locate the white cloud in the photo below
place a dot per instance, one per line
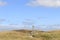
(47, 3)
(3, 3)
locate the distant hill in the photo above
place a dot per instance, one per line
(25, 35)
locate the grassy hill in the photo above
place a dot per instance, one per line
(25, 35)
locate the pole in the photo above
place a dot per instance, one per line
(32, 31)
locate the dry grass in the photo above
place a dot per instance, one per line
(24, 35)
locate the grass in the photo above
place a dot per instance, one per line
(24, 35)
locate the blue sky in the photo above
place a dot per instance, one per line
(16, 11)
